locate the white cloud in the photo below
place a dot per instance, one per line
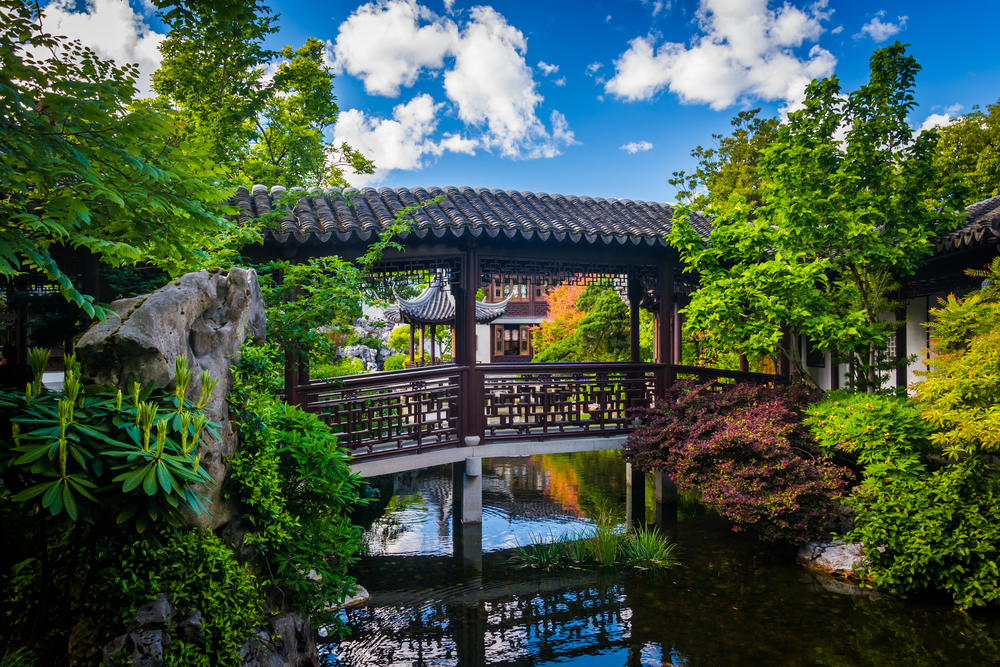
(561, 81)
(940, 119)
(448, 4)
(400, 142)
(113, 30)
(384, 44)
(746, 51)
(389, 43)
(608, 18)
(880, 31)
(547, 68)
(593, 67)
(634, 147)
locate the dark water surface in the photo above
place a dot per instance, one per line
(732, 601)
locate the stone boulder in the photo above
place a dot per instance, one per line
(836, 557)
(367, 355)
(286, 640)
(204, 316)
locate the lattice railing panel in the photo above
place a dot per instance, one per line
(543, 401)
(382, 414)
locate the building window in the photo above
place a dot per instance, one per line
(511, 340)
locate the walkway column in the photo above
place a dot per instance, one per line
(635, 496)
(433, 336)
(471, 401)
(422, 355)
(412, 362)
(665, 504)
(467, 511)
(664, 341)
(634, 296)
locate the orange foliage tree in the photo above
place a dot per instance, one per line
(564, 317)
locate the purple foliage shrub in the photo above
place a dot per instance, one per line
(744, 449)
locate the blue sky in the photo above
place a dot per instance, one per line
(587, 98)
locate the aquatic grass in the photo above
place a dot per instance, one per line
(646, 547)
(541, 555)
(606, 543)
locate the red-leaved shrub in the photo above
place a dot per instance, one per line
(744, 449)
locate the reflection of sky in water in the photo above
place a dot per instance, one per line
(734, 601)
(524, 501)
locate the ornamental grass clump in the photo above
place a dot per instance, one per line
(744, 450)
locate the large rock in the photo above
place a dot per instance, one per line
(836, 557)
(204, 316)
(286, 640)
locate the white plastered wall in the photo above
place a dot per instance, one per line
(483, 343)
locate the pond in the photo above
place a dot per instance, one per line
(733, 600)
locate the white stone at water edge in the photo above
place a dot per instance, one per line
(835, 557)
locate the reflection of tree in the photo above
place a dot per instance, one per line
(586, 481)
(391, 526)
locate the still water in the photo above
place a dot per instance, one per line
(732, 601)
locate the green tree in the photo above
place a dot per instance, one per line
(290, 148)
(970, 145)
(213, 71)
(86, 165)
(846, 214)
(731, 168)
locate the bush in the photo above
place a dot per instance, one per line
(338, 368)
(744, 449)
(79, 452)
(199, 572)
(295, 489)
(937, 531)
(923, 525)
(396, 362)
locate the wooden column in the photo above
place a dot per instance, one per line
(433, 336)
(634, 295)
(784, 355)
(472, 401)
(664, 347)
(678, 333)
(412, 362)
(422, 355)
(901, 369)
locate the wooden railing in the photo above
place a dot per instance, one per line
(546, 401)
(725, 376)
(416, 410)
(392, 412)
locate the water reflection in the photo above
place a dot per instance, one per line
(733, 601)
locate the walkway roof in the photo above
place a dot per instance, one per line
(337, 216)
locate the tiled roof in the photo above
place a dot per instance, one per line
(982, 226)
(436, 305)
(333, 215)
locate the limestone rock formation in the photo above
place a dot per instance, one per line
(836, 557)
(204, 316)
(286, 640)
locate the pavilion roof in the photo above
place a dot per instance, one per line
(982, 226)
(436, 305)
(333, 215)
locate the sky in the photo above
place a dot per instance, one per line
(588, 98)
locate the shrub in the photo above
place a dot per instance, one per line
(199, 572)
(885, 433)
(940, 530)
(340, 368)
(78, 452)
(745, 450)
(925, 525)
(295, 489)
(396, 362)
